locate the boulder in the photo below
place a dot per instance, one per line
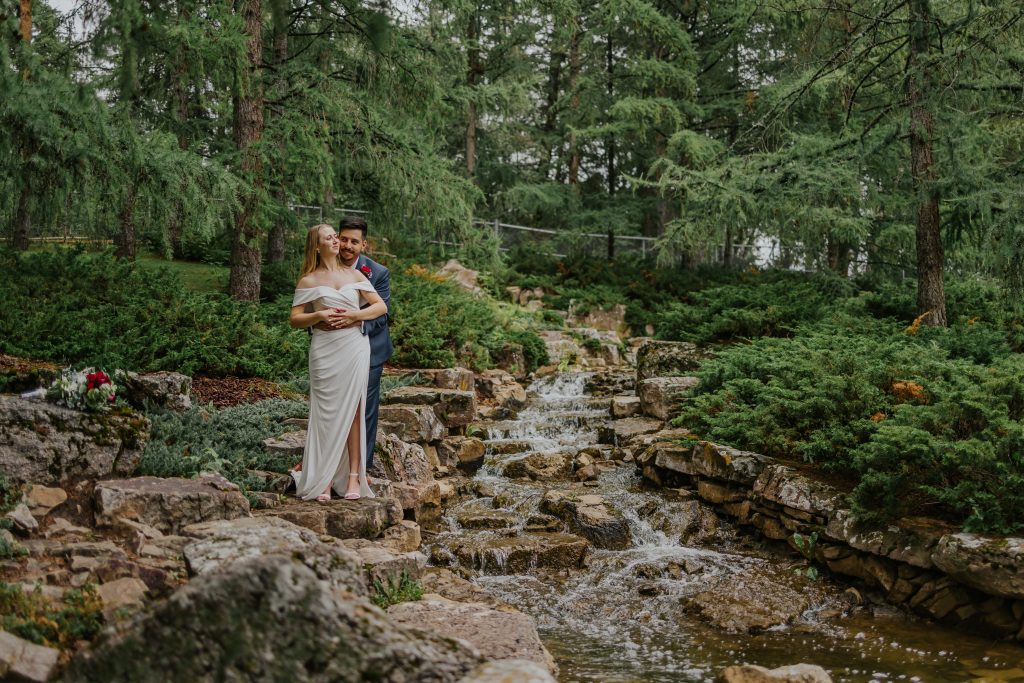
(268, 619)
(42, 499)
(910, 540)
(487, 519)
(415, 424)
(215, 546)
(705, 459)
(46, 444)
(511, 358)
(667, 359)
(690, 521)
(363, 518)
(539, 466)
(403, 537)
(289, 443)
(382, 565)
(453, 407)
(623, 432)
(752, 600)
(625, 406)
(521, 553)
(411, 478)
(170, 390)
(123, 593)
(462, 276)
(510, 671)
(661, 397)
(168, 504)
(786, 487)
(496, 635)
(501, 388)
(588, 516)
(21, 519)
(992, 565)
(21, 660)
(796, 673)
(464, 452)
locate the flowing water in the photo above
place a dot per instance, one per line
(622, 617)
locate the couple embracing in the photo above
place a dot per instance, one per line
(343, 298)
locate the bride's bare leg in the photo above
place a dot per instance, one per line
(354, 455)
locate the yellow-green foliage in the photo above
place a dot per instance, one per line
(29, 615)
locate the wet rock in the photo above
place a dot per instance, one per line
(363, 518)
(289, 443)
(622, 432)
(21, 660)
(382, 565)
(667, 359)
(542, 522)
(487, 519)
(464, 452)
(508, 446)
(661, 397)
(911, 540)
(589, 472)
(874, 571)
(519, 554)
(689, 521)
(496, 635)
(46, 444)
(510, 671)
(539, 466)
(611, 382)
(625, 406)
(168, 504)
(992, 565)
(170, 390)
(588, 516)
(705, 459)
(748, 601)
(796, 673)
(414, 424)
(787, 487)
(43, 499)
(235, 625)
(214, 546)
(501, 388)
(453, 407)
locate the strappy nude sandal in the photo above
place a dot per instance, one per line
(355, 495)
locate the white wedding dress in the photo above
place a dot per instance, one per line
(339, 368)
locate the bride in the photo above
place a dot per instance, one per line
(339, 361)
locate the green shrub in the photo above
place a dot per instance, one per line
(912, 429)
(79, 308)
(229, 441)
(392, 592)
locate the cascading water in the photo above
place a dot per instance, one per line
(624, 616)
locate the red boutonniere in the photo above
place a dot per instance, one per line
(365, 270)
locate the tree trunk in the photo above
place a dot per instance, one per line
(244, 281)
(550, 109)
(838, 253)
(610, 142)
(25, 29)
(276, 238)
(126, 238)
(22, 217)
(472, 78)
(574, 105)
(180, 107)
(22, 221)
(931, 294)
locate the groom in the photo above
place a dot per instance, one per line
(352, 242)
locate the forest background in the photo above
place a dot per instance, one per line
(873, 147)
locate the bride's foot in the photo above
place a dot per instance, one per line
(324, 497)
(352, 493)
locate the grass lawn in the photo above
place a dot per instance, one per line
(198, 277)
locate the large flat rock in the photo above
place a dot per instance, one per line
(21, 660)
(168, 504)
(453, 407)
(661, 397)
(412, 423)
(47, 444)
(787, 487)
(706, 459)
(496, 635)
(623, 432)
(589, 516)
(521, 553)
(992, 565)
(539, 466)
(667, 359)
(215, 546)
(911, 540)
(269, 619)
(363, 518)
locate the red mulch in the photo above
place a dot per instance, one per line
(231, 391)
(23, 365)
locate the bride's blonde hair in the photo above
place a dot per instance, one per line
(311, 257)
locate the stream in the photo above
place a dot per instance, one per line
(625, 617)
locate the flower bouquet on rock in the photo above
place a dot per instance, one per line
(87, 389)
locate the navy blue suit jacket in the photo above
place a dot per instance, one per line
(381, 347)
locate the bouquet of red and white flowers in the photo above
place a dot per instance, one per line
(87, 389)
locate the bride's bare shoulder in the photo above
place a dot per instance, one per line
(307, 281)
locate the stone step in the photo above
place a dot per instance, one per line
(364, 518)
(520, 553)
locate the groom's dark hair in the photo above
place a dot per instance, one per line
(353, 223)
